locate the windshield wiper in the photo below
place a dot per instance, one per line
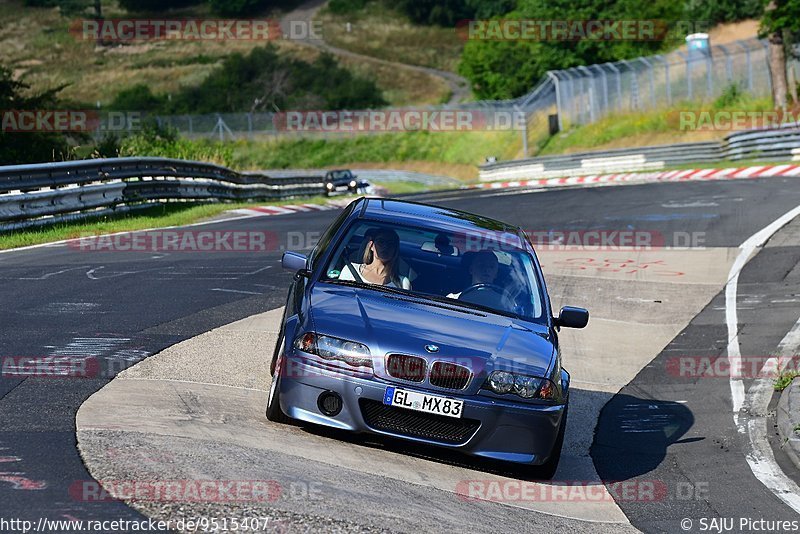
(364, 285)
(451, 305)
(413, 297)
(423, 298)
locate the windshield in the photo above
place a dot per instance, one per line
(340, 175)
(482, 269)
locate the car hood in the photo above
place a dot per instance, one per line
(391, 323)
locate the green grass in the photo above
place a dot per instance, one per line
(385, 33)
(402, 187)
(164, 215)
(784, 379)
(442, 147)
(37, 45)
(725, 164)
(647, 128)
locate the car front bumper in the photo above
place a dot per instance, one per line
(495, 428)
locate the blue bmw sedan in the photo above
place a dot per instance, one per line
(426, 324)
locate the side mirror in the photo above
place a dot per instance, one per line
(571, 317)
(292, 261)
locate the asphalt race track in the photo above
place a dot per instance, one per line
(634, 417)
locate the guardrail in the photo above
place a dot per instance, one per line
(780, 144)
(32, 195)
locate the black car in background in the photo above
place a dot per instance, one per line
(340, 180)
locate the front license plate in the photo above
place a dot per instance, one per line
(421, 402)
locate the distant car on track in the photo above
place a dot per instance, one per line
(343, 181)
(427, 324)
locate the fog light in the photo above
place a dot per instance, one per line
(330, 403)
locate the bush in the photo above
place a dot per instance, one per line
(28, 147)
(731, 96)
(107, 147)
(139, 6)
(342, 7)
(449, 12)
(138, 98)
(265, 81)
(158, 141)
(717, 11)
(235, 8)
(502, 69)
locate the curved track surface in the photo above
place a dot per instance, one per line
(119, 307)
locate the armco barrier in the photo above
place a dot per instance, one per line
(32, 195)
(781, 144)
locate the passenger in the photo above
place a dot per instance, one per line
(380, 262)
(483, 267)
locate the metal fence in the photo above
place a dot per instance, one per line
(779, 144)
(34, 195)
(564, 98)
(587, 94)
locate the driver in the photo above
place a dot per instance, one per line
(483, 269)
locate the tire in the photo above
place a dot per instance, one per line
(547, 470)
(274, 412)
(278, 345)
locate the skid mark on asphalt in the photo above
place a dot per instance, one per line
(620, 266)
(18, 480)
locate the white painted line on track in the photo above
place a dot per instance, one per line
(759, 457)
(236, 291)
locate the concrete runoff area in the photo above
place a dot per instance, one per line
(196, 412)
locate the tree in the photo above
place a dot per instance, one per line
(145, 6)
(235, 8)
(781, 25)
(27, 147)
(70, 7)
(509, 68)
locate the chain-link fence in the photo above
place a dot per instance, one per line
(586, 94)
(565, 98)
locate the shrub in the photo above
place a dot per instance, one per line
(28, 147)
(265, 81)
(138, 98)
(342, 7)
(139, 6)
(158, 141)
(234, 8)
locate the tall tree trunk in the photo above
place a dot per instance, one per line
(793, 78)
(777, 64)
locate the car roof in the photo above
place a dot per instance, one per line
(393, 210)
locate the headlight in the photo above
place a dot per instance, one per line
(333, 348)
(329, 185)
(500, 382)
(353, 183)
(527, 387)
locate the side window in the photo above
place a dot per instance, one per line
(325, 240)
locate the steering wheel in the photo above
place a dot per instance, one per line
(477, 293)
